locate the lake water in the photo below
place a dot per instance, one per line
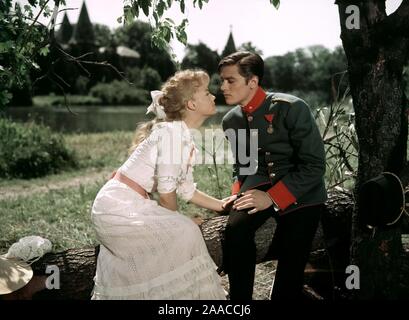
(92, 119)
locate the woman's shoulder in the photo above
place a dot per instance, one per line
(172, 133)
(160, 129)
(165, 126)
(171, 127)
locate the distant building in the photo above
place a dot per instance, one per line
(82, 35)
(83, 31)
(230, 45)
(123, 51)
(65, 32)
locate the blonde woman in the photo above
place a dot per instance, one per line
(148, 249)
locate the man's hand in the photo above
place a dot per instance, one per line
(256, 199)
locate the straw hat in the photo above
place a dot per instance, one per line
(14, 274)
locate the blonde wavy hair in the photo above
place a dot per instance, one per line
(177, 91)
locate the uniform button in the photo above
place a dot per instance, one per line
(272, 175)
(250, 118)
(270, 164)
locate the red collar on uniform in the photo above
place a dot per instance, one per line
(255, 102)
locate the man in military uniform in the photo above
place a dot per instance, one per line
(287, 180)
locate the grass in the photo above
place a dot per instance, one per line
(62, 214)
(96, 150)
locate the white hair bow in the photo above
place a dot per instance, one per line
(155, 106)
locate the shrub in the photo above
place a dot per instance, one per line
(314, 99)
(146, 78)
(59, 101)
(150, 79)
(30, 151)
(120, 93)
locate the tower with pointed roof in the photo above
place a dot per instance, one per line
(84, 32)
(65, 32)
(230, 46)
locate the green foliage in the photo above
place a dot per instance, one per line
(200, 3)
(120, 93)
(146, 78)
(103, 35)
(29, 151)
(22, 42)
(81, 85)
(138, 36)
(315, 99)
(337, 126)
(201, 56)
(314, 70)
(275, 3)
(214, 87)
(165, 29)
(18, 42)
(149, 79)
(5, 97)
(248, 46)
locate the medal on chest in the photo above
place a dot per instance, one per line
(269, 118)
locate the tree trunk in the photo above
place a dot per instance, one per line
(376, 55)
(76, 267)
(325, 271)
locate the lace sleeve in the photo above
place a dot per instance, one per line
(169, 160)
(187, 187)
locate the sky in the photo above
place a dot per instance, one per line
(296, 24)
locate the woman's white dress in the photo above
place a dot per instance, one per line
(148, 251)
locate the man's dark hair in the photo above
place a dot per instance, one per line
(249, 64)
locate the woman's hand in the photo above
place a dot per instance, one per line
(227, 204)
(228, 201)
(257, 200)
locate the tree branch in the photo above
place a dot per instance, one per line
(27, 34)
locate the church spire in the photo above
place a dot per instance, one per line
(65, 32)
(230, 46)
(84, 32)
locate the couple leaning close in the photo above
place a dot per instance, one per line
(151, 251)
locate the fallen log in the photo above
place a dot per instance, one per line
(76, 267)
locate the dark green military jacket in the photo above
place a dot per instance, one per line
(289, 153)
